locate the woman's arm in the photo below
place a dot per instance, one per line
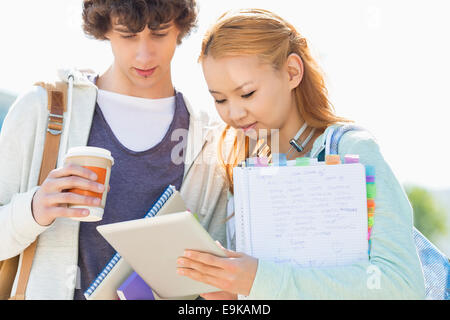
(392, 272)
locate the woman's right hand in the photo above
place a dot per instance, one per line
(51, 199)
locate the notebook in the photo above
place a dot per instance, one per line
(135, 288)
(308, 215)
(117, 270)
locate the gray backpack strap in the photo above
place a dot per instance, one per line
(435, 265)
(336, 136)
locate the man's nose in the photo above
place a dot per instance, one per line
(144, 52)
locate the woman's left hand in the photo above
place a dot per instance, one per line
(234, 274)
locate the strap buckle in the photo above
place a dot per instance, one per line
(54, 132)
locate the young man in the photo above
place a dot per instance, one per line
(132, 110)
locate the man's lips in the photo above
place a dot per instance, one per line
(145, 73)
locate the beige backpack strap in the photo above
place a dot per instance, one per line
(57, 102)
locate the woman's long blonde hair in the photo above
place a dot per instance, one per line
(261, 33)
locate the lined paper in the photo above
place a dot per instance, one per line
(310, 216)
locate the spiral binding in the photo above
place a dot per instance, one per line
(110, 265)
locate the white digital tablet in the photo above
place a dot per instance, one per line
(152, 246)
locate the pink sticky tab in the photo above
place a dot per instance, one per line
(261, 162)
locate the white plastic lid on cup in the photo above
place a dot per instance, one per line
(90, 152)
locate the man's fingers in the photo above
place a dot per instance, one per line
(72, 198)
(73, 170)
(68, 212)
(73, 182)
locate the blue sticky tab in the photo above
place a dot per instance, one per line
(370, 171)
(279, 159)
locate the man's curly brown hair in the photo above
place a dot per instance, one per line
(137, 14)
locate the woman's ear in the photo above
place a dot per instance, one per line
(295, 70)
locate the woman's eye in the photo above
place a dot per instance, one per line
(221, 101)
(245, 96)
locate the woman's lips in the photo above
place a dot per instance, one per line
(145, 73)
(249, 127)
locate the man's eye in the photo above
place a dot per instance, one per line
(160, 35)
(245, 96)
(128, 36)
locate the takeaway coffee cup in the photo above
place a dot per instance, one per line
(99, 161)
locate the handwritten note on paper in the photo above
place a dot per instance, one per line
(310, 216)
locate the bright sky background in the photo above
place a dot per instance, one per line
(387, 65)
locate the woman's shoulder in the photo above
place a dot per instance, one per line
(358, 139)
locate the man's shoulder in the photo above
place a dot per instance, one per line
(208, 118)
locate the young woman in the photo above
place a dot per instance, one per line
(262, 76)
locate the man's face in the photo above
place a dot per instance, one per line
(142, 60)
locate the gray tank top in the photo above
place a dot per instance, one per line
(137, 180)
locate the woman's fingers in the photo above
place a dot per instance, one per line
(201, 267)
(219, 295)
(205, 278)
(209, 259)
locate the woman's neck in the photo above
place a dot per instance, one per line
(288, 132)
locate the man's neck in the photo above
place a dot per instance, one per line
(114, 81)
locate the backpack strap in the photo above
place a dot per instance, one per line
(332, 139)
(336, 135)
(57, 102)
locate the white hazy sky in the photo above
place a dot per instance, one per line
(386, 62)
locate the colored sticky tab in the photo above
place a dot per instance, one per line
(371, 210)
(370, 179)
(302, 162)
(291, 163)
(251, 162)
(332, 159)
(370, 203)
(371, 190)
(279, 159)
(370, 214)
(370, 171)
(261, 162)
(351, 158)
(370, 221)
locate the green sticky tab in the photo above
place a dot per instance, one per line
(196, 216)
(302, 162)
(371, 191)
(370, 221)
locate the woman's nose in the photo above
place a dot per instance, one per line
(237, 113)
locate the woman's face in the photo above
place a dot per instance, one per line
(250, 95)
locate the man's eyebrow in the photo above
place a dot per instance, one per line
(237, 89)
(161, 27)
(122, 29)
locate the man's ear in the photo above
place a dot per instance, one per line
(294, 65)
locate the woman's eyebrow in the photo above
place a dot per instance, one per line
(237, 89)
